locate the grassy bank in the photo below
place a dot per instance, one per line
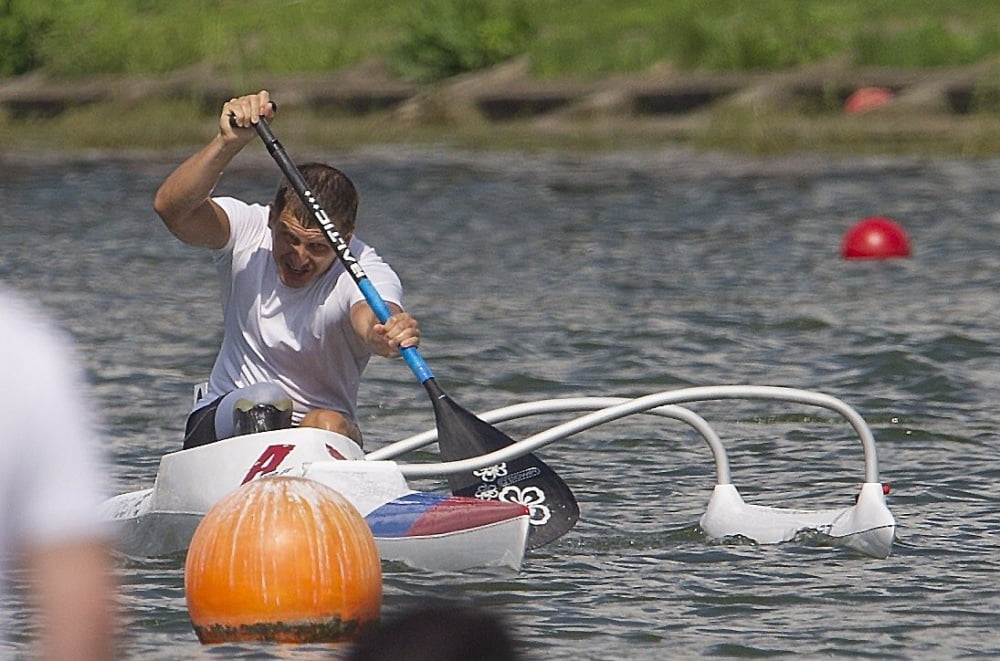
(432, 43)
(179, 127)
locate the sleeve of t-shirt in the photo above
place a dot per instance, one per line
(245, 222)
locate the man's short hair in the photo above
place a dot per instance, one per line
(334, 191)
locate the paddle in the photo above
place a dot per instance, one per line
(461, 434)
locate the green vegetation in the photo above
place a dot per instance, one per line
(432, 39)
(236, 44)
(449, 38)
(20, 23)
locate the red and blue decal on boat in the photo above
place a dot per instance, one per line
(419, 514)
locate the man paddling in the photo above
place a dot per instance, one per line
(298, 332)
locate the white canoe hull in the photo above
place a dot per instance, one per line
(422, 530)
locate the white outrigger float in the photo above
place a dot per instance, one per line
(432, 531)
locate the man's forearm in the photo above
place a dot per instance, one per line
(182, 201)
(193, 181)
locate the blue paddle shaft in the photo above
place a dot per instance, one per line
(410, 354)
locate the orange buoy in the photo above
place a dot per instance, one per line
(875, 237)
(283, 559)
(864, 99)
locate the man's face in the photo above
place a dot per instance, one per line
(301, 254)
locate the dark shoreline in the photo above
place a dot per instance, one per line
(948, 111)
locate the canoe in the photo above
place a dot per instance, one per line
(420, 529)
(442, 532)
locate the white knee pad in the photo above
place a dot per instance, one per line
(258, 407)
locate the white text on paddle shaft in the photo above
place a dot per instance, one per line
(335, 238)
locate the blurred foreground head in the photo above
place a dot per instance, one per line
(53, 540)
(452, 632)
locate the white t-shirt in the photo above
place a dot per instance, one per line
(300, 338)
(52, 478)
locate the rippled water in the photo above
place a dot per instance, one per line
(538, 277)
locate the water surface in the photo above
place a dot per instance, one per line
(626, 274)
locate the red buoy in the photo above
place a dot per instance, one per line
(875, 237)
(864, 99)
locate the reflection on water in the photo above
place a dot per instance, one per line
(614, 275)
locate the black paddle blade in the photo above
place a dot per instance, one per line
(525, 480)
